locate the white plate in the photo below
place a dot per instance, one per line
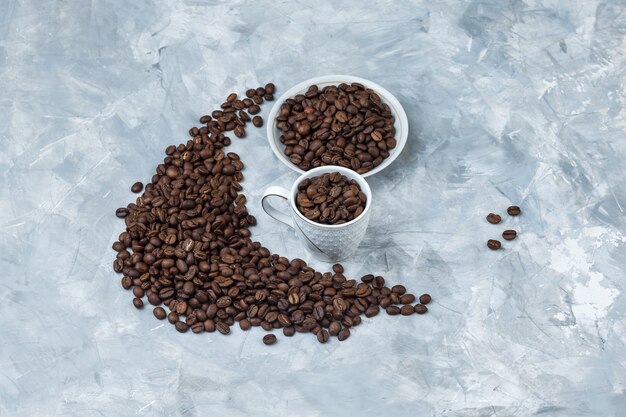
(400, 120)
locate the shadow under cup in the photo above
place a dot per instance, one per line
(330, 243)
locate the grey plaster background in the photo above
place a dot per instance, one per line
(508, 102)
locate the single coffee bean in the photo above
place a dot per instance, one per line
(127, 282)
(393, 310)
(270, 88)
(343, 334)
(372, 311)
(425, 298)
(494, 244)
(420, 308)
(398, 289)
(137, 302)
(338, 268)
(222, 327)
(334, 328)
(269, 339)
(172, 317)
(257, 121)
(494, 218)
(289, 331)
(181, 326)
(121, 212)
(323, 336)
(513, 211)
(250, 93)
(407, 299)
(159, 313)
(509, 234)
(254, 109)
(407, 310)
(209, 326)
(136, 187)
(245, 324)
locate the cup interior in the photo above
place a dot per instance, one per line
(315, 172)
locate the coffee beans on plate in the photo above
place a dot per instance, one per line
(330, 199)
(187, 246)
(346, 125)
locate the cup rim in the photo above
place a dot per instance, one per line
(365, 187)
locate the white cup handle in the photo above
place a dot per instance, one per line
(275, 191)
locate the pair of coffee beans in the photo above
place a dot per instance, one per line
(346, 125)
(330, 198)
(493, 218)
(187, 248)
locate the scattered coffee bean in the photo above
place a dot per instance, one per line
(425, 298)
(159, 313)
(187, 243)
(407, 299)
(494, 218)
(346, 125)
(136, 187)
(509, 234)
(514, 211)
(420, 308)
(330, 199)
(269, 339)
(393, 310)
(494, 244)
(257, 121)
(407, 310)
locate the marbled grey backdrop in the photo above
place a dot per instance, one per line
(508, 101)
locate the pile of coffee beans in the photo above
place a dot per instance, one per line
(346, 125)
(330, 199)
(492, 218)
(187, 249)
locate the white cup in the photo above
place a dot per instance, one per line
(327, 242)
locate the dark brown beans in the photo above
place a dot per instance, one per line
(289, 331)
(494, 218)
(393, 310)
(136, 187)
(407, 299)
(257, 121)
(398, 289)
(181, 326)
(420, 308)
(514, 211)
(137, 302)
(343, 334)
(509, 234)
(222, 327)
(323, 336)
(270, 88)
(407, 310)
(159, 313)
(269, 339)
(494, 244)
(425, 298)
(121, 212)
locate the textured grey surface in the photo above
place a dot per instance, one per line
(508, 102)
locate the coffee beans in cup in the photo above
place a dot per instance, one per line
(330, 198)
(187, 245)
(346, 125)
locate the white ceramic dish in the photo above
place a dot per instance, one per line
(400, 120)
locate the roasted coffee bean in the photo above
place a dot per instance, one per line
(136, 187)
(222, 327)
(514, 211)
(398, 289)
(270, 88)
(407, 310)
(159, 313)
(343, 334)
(323, 336)
(329, 198)
(407, 299)
(420, 308)
(509, 234)
(494, 218)
(393, 310)
(338, 128)
(269, 339)
(494, 244)
(187, 243)
(425, 298)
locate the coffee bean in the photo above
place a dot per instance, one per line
(254, 109)
(343, 334)
(425, 298)
(127, 282)
(407, 299)
(514, 211)
(398, 289)
(494, 218)
(338, 128)
(494, 244)
(222, 327)
(245, 324)
(121, 212)
(159, 313)
(334, 328)
(136, 187)
(509, 234)
(172, 317)
(257, 121)
(323, 336)
(372, 311)
(250, 93)
(420, 308)
(407, 310)
(181, 326)
(209, 326)
(338, 268)
(289, 331)
(137, 302)
(393, 310)
(270, 88)
(269, 339)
